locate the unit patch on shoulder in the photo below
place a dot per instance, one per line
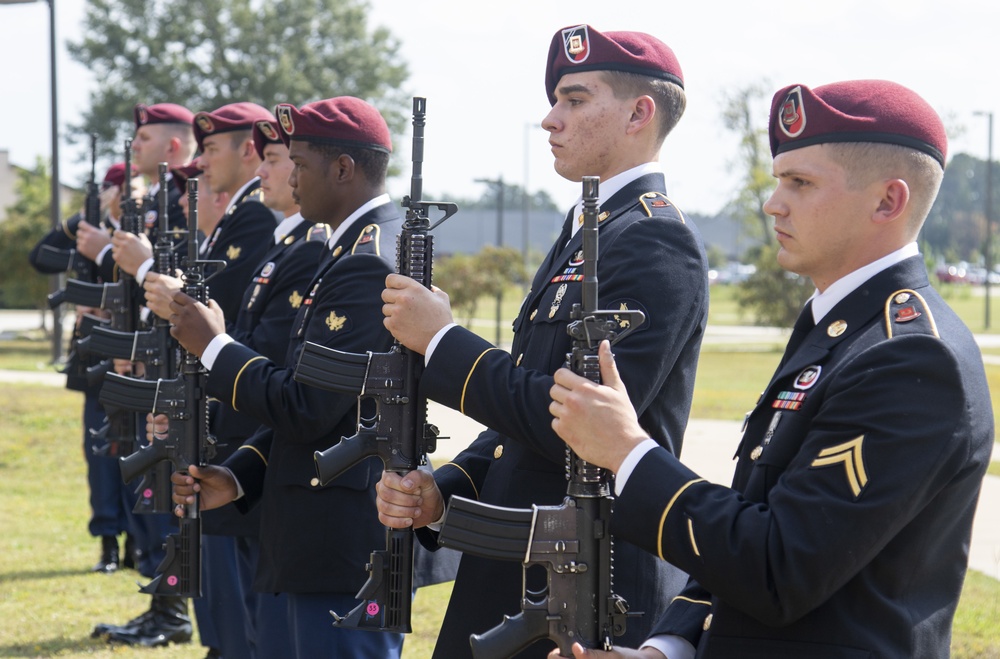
(367, 242)
(321, 232)
(906, 312)
(652, 201)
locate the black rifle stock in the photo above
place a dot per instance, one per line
(398, 432)
(185, 403)
(572, 541)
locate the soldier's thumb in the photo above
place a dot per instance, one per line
(609, 370)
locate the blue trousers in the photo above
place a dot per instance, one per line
(266, 614)
(109, 496)
(315, 637)
(221, 617)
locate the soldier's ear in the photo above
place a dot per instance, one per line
(894, 201)
(643, 111)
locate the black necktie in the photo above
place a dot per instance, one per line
(803, 325)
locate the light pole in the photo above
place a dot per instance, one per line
(987, 247)
(498, 183)
(54, 186)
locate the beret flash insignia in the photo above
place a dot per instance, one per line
(793, 116)
(267, 130)
(576, 43)
(285, 118)
(143, 115)
(205, 123)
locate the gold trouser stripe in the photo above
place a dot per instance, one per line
(238, 375)
(461, 404)
(666, 511)
(474, 489)
(688, 599)
(255, 450)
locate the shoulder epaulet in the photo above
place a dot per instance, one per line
(254, 195)
(652, 202)
(319, 232)
(367, 242)
(906, 312)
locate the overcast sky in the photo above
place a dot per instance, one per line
(481, 67)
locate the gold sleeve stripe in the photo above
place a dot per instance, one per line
(474, 489)
(694, 545)
(236, 382)
(688, 599)
(255, 450)
(461, 403)
(666, 511)
(65, 228)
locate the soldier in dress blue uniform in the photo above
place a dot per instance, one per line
(314, 539)
(847, 527)
(110, 500)
(163, 133)
(615, 97)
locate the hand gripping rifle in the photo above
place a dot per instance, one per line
(187, 442)
(572, 541)
(157, 350)
(398, 432)
(70, 260)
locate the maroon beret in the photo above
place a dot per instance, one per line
(855, 111)
(341, 121)
(582, 48)
(228, 118)
(161, 113)
(265, 131)
(182, 174)
(115, 175)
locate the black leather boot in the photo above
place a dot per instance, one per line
(109, 555)
(130, 560)
(169, 623)
(105, 628)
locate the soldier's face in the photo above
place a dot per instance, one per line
(310, 180)
(274, 172)
(150, 147)
(220, 163)
(587, 127)
(823, 226)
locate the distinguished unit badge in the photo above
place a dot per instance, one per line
(793, 116)
(576, 43)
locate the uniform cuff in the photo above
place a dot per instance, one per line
(213, 349)
(436, 340)
(629, 463)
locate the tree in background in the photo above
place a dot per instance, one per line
(209, 53)
(21, 287)
(745, 111)
(470, 278)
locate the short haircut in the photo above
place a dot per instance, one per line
(866, 162)
(185, 135)
(373, 164)
(240, 136)
(669, 97)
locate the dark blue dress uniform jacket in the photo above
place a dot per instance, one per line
(242, 237)
(650, 259)
(270, 305)
(314, 539)
(848, 535)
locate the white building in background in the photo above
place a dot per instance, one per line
(8, 185)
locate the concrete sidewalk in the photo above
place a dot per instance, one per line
(708, 449)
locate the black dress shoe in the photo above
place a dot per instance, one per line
(105, 628)
(109, 555)
(169, 623)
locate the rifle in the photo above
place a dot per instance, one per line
(69, 260)
(184, 400)
(572, 541)
(398, 433)
(157, 350)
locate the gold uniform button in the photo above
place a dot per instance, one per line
(314, 482)
(337, 251)
(708, 622)
(901, 298)
(498, 451)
